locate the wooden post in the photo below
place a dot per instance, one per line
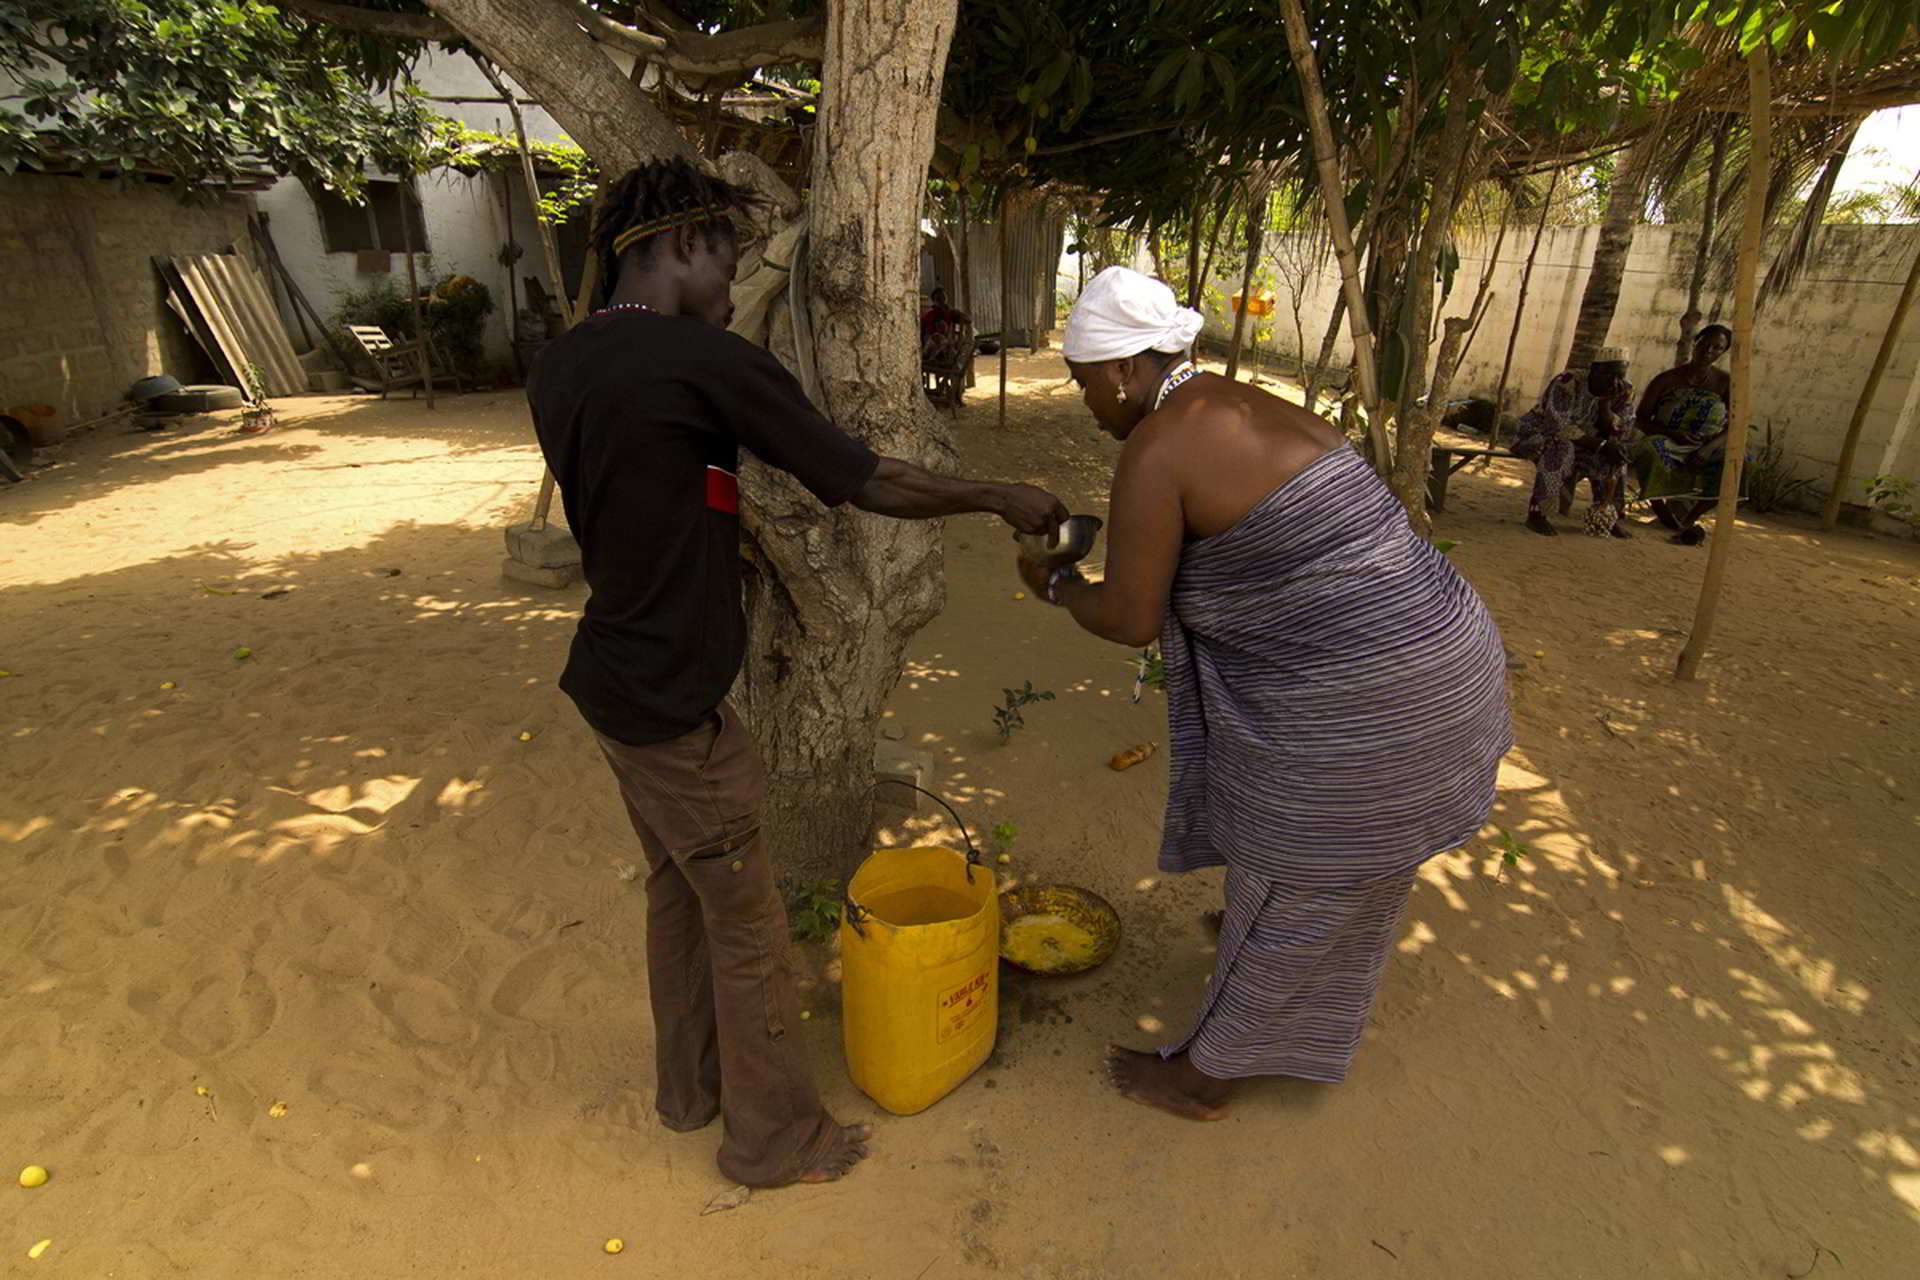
(1843, 471)
(1256, 226)
(1520, 308)
(1760, 94)
(1326, 159)
(1006, 310)
(548, 247)
(422, 347)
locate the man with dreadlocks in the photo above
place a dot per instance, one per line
(641, 410)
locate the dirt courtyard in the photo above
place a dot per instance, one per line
(1681, 1037)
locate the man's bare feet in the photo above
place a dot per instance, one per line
(839, 1160)
(1542, 526)
(1174, 1085)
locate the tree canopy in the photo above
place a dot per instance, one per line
(202, 92)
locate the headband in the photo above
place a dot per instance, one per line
(634, 235)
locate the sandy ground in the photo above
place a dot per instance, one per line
(1679, 1038)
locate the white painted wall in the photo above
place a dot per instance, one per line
(1814, 349)
(465, 216)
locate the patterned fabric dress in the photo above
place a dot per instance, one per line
(1338, 705)
(1663, 466)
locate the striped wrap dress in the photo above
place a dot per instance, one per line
(1337, 701)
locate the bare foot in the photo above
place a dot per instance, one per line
(1620, 531)
(1542, 526)
(839, 1160)
(1172, 1085)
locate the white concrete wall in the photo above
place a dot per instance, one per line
(1815, 346)
(465, 217)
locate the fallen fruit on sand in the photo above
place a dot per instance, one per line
(277, 1110)
(33, 1176)
(1005, 859)
(615, 1245)
(525, 736)
(166, 684)
(242, 653)
(1130, 757)
(1539, 653)
(39, 1249)
(203, 1091)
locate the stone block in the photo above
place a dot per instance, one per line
(893, 762)
(550, 548)
(536, 576)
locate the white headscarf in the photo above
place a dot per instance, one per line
(1122, 313)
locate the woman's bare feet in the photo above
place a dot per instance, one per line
(839, 1160)
(1174, 1085)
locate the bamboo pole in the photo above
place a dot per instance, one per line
(1256, 226)
(1760, 90)
(422, 347)
(1520, 307)
(1843, 470)
(1326, 158)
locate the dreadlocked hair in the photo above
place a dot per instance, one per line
(665, 191)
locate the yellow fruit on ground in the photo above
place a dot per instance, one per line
(615, 1245)
(33, 1176)
(38, 1249)
(166, 684)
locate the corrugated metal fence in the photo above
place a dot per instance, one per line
(1034, 239)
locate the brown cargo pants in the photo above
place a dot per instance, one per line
(726, 1017)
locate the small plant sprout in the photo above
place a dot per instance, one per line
(1007, 717)
(1511, 850)
(1000, 839)
(814, 909)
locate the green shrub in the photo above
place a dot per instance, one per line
(456, 310)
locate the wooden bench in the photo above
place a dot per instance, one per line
(1447, 459)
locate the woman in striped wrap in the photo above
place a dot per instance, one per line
(1337, 693)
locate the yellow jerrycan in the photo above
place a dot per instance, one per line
(919, 973)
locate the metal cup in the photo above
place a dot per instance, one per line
(1068, 544)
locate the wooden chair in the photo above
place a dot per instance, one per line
(947, 375)
(397, 365)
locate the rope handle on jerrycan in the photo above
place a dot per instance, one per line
(854, 911)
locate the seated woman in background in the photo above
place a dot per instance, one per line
(1337, 693)
(1684, 417)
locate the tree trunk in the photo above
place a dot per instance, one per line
(1625, 203)
(1418, 423)
(1333, 195)
(834, 595)
(1703, 251)
(1843, 470)
(1256, 225)
(1760, 94)
(1327, 342)
(1520, 306)
(1453, 157)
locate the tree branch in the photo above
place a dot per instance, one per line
(373, 22)
(689, 53)
(699, 55)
